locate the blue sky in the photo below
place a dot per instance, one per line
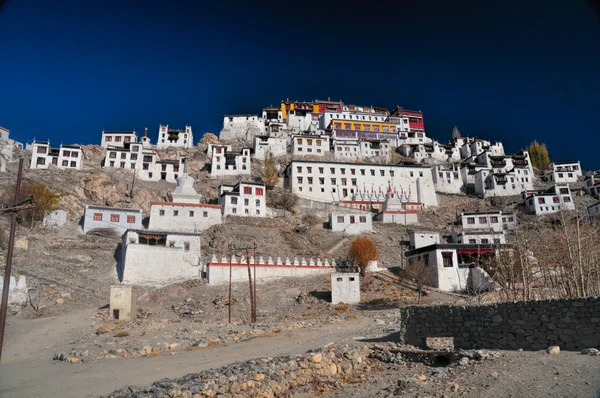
(512, 71)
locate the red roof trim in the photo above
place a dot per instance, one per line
(185, 204)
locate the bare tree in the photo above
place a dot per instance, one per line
(421, 274)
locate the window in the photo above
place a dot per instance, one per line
(134, 156)
(97, 216)
(246, 211)
(497, 241)
(67, 154)
(391, 173)
(343, 171)
(41, 149)
(259, 191)
(564, 191)
(570, 174)
(310, 180)
(234, 210)
(332, 170)
(257, 211)
(353, 181)
(362, 172)
(64, 163)
(566, 198)
(247, 190)
(246, 202)
(472, 241)
(171, 243)
(123, 155)
(234, 200)
(108, 138)
(299, 180)
(340, 219)
(484, 241)
(494, 220)
(321, 181)
(363, 219)
(447, 259)
(555, 199)
(191, 214)
(352, 220)
(122, 165)
(560, 175)
(321, 170)
(471, 220)
(309, 169)
(411, 174)
(114, 218)
(130, 219)
(372, 173)
(299, 168)
(118, 138)
(344, 180)
(333, 181)
(175, 213)
(186, 246)
(541, 201)
(382, 172)
(161, 212)
(112, 155)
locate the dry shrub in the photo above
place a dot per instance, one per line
(104, 232)
(122, 334)
(342, 308)
(362, 251)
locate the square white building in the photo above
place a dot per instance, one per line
(351, 223)
(345, 288)
(168, 137)
(65, 157)
(117, 138)
(265, 146)
(246, 199)
(315, 145)
(229, 163)
(550, 201)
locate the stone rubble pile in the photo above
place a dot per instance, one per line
(265, 377)
(189, 307)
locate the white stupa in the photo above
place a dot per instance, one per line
(185, 192)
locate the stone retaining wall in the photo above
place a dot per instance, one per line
(532, 325)
(265, 377)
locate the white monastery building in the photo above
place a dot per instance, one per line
(339, 181)
(265, 146)
(315, 145)
(184, 213)
(551, 201)
(7, 148)
(115, 218)
(174, 138)
(351, 223)
(565, 172)
(65, 157)
(247, 199)
(244, 127)
(395, 211)
(117, 138)
(226, 162)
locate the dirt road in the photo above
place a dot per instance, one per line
(27, 368)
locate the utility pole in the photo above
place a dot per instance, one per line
(132, 184)
(254, 290)
(9, 254)
(230, 277)
(250, 285)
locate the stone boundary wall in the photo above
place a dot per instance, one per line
(265, 377)
(571, 324)
(217, 270)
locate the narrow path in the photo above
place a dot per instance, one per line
(37, 375)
